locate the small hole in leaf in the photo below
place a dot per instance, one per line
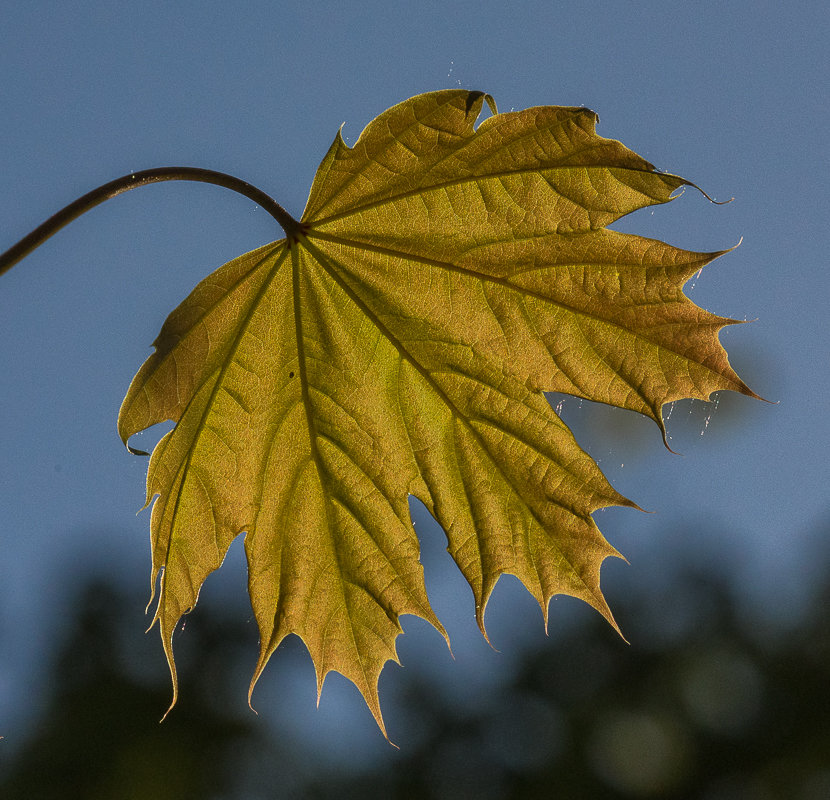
(290, 374)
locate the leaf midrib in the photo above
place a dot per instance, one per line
(484, 278)
(200, 426)
(454, 410)
(492, 176)
(318, 461)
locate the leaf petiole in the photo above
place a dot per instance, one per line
(132, 181)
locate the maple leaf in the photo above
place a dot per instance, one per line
(398, 342)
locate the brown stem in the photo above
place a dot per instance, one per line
(132, 181)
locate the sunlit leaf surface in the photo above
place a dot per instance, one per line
(444, 277)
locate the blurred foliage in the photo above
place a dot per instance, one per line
(710, 707)
(100, 735)
(718, 712)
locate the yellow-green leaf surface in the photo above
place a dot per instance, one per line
(399, 343)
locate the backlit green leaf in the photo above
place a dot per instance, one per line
(399, 343)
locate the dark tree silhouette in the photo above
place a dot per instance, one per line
(711, 708)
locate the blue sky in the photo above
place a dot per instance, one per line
(731, 95)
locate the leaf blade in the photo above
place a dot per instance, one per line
(443, 278)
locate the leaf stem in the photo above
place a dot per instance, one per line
(132, 181)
